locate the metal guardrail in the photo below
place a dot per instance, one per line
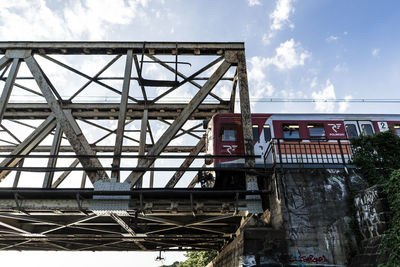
(308, 152)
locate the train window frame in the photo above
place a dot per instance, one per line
(225, 127)
(289, 127)
(268, 137)
(315, 126)
(355, 130)
(365, 132)
(256, 132)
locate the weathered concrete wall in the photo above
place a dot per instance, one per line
(373, 216)
(311, 206)
(308, 226)
(254, 246)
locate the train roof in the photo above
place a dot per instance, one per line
(318, 116)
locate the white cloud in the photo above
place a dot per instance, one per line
(332, 38)
(289, 55)
(259, 86)
(279, 18)
(343, 106)
(375, 52)
(76, 20)
(253, 2)
(94, 18)
(327, 93)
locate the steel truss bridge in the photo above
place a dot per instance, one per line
(95, 137)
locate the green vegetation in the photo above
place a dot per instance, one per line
(377, 156)
(195, 259)
(378, 159)
(392, 237)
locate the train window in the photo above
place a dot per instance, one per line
(367, 129)
(228, 133)
(351, 131)
(256, 132)
(397, 129)
(316, 130)
(267, 133)
(291, 131)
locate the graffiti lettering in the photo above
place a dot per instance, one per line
(299, 259)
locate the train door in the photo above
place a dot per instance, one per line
(355, 128)
(262, 145)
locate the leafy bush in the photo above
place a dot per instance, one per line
(392, 237)
(198, 258)
(377, 156)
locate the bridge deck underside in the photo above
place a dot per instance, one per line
(179, 222)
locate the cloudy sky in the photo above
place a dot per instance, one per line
(304, 49)
(296, 49)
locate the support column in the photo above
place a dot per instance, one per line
(5, 95)
(142, 144)
(122, 116)
(251, 180)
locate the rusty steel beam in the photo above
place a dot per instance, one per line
(142, 144)
(109, 48)
(110, 111)
(67, 122)
(103, 149)
(5, 95)
(251, 179)
(122, 116)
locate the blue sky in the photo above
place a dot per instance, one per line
(311, 49)
(295, 49)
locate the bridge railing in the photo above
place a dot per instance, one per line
(308, 152)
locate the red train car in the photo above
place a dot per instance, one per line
(313, 139)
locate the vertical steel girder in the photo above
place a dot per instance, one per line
(134, 177)
(67, 122)
(251, 179)
(142, 144)
(5, 95)
(122, 116)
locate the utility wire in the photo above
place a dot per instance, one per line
(263, 100)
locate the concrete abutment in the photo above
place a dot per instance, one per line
(307, 224)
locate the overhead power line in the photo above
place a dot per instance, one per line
(255, 99)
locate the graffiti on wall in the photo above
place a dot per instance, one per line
(304, 260)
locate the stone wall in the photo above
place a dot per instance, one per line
(254, 246)
(311, 206)
(308, 226)
(373, 215)
(372, 212)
